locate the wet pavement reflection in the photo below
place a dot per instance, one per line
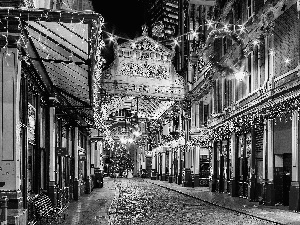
(92, 208)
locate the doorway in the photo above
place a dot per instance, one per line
(282, 160)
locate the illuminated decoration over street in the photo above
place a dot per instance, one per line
(143, 67)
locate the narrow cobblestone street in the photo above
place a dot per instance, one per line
(141, 202)
(92, 209)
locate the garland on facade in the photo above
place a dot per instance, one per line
(244, 123)
(199, 141)
(171, 137)
(97, 98)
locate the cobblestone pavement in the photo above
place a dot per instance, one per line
(141, 202)
(92, 209)
(279, 214)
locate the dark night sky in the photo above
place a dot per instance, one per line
(122, 17)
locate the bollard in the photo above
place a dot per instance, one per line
(4, 201)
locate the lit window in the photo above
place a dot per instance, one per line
(250, 70)
(250, 8)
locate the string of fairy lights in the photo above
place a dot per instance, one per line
(217, 29)
(211, 25)
(42, 39)
(43, 34)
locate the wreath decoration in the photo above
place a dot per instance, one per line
(209, 47)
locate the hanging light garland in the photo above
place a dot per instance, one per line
(244, 123)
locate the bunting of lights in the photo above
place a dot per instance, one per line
(99, 111)
(244, 123)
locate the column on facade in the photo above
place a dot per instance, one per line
(270, 192)
(163, 165)
(52, 159)
(136, 158)
(144, 157)
(171, 172)
(99, 156)
(212, 182)
(88, 166)
(192, 159)
(270, 150)
(37, 167)
(93, 144)
(153, 166)
(269, 59)
(179, 169)
(197, 166)
(233, 151)
(10, 139)
(158, 164)
(266, 56)
(76, 189)
(265, 135)
(68, 158)
(294, 194)
(252, 166)
(59, 161)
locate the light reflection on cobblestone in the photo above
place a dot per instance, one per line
(144, 203)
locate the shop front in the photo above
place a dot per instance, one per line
(45, 96)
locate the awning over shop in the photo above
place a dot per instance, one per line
(58, 45)
(63, 50)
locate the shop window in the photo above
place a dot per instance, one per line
(225, 154)
(250, 72)
(230, 166)
(217, 96)
(30, 173)
(64, 137)
(197, 115)
(220, 95)
(249, 8)
(193, 115)
(241, 155)
(80, 5)
(200, 114)
(218, 160)
(228, 93)
(206, 113)
(224, 45)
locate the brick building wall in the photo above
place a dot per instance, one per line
(286, 41)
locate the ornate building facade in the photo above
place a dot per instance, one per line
(46, 120)
(253, 51)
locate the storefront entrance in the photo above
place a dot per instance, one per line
(282, 160)
(244, 152)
